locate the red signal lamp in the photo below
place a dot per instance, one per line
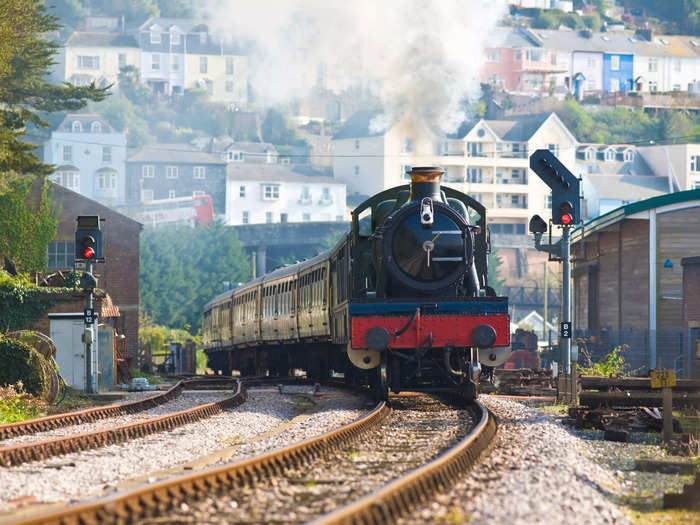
(88, 253)
(566, 218)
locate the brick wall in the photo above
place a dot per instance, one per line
(119, 275)
(72, 302)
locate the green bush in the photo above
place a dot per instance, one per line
(20, 362)
(16, 405)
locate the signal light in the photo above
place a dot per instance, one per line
(565, 216)
(566, 219)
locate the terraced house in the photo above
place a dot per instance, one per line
(179, 54)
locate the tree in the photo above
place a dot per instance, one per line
(274, 128)
(26, 56)
(545, 20)
(592, 22)
(183, 268)
(496, 280)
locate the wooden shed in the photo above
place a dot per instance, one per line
(628, 279)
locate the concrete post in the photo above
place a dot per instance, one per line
(261, 260)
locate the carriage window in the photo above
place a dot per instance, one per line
(365, 223)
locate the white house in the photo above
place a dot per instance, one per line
(268, 193)
(681, 162)
(96, 57)
(89, 157)
(487, 159)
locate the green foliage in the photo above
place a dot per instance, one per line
(157, 335)
(183, 268)
(612, 366)
(683, 16)
(275, 130)
(17, 405)
(25, 229)
(122, 114)
(22, 363)
(26, 57)
(22, 303)
(592, 22)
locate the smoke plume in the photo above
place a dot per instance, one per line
(420, 57)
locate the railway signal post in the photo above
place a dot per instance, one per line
(88, 250)
(566, 213)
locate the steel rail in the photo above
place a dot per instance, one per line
(42, 424)
(152, 499)
(26, 452)
(397, 498)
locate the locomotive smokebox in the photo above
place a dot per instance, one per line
(425, 183)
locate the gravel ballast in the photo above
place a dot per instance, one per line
(186, 400)
(539, 471)
(81, 475)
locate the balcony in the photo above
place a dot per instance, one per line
(498, 154)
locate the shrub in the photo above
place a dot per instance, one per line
(22, 363)
(612, 366)
(17, 405)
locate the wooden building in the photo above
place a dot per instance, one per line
(628, 279)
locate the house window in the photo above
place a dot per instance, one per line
(326, 194)
(106, 154)
(61, 255)
(197, 193)
(229, 66)
(77, 127)
(515, 173)
(534, 55)
(68, 179)
(284, 217)
(203, 63)
(107, 180)
(241, 192)
(653, 65)
(653, 86)
(514, 199)
(614, 85)
(590, 154)
(629, 155)
(357, 144)
(695, 163)
(171, 194)
(155, 62)
(122, 60)
(96, 127)
(175, 38)
(548, 202)
(306, 217)
(268, 217)
(590, 62)
(357, 170)
(200, 172)
(147, 172)
(493, 55)
(88, 62)
(202, 38)
(554, 148)
(246, 217)
(229, 86)
(171, 172)
(676, 87)
(609, 155)
(475, 175)
(271, 192)
(68, 153)
(174, 63)
(408, 146)
(146, 195)
(615, 63)
(155, 36)
(677, 65)
(305, 194)
(517, 55)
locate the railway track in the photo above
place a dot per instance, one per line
(89, 415)
(17, 454)
(164, 500)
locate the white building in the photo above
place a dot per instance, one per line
(96, 57)
(681, 162)
(89, 157)
(267, 193)
(488, 160)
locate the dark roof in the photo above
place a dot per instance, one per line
(628, 187)
(637, 166)
(357, 126)
(272, 173)
(186, 25)
(175, 154)
(80, 39)
(85, 119)
(98, 208)
(517, 128)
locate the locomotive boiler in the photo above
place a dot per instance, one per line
(402, 302)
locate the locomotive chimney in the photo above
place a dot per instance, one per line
(425, 182)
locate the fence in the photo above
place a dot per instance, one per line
(675, 350)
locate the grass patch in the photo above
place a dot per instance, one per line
(559, 409)
(75, 400)
(153, 379)
(453, 516)
(677, 517)
(17, 405)
(354, 454)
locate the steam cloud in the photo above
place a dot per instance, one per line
(420, 57)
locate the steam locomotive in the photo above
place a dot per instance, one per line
(401, 302)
